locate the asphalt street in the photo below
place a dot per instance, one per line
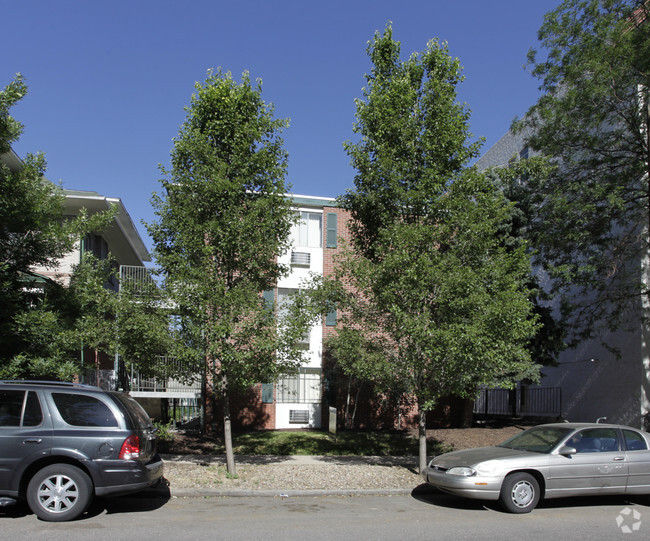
(421, 515)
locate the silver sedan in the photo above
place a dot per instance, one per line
(549, 461)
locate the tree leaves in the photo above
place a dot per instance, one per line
(590, 218)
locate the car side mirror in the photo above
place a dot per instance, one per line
(565, 450)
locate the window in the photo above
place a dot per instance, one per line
(11, 407)
(303, 387)
(524, 153)
(33, 415)
(634, 441)
(97, 245)
(15, 405)
(308, 232)
(595, 440)
(284, 302)
(83, 410)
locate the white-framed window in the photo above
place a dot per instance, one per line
(303, 387)
(308, 232)
(284, 301)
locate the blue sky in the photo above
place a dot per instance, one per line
(108, 81)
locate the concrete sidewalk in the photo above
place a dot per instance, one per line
(298, 460)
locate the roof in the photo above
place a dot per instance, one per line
(122, 236)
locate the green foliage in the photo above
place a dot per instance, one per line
(34, 312)
(38, 368)
(590, 212)
(96, 326)
(433, 301)
(10, 128)
(164, 431)
(345, 443)
(414, 137)
(518, 183)
(222, 224)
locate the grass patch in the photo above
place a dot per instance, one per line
(358, 443)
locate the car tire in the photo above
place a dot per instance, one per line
(519, 493)
(59, 492)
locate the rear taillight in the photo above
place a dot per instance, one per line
(130, 448)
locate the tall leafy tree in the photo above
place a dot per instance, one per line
(433, 303)
(33, 233)
(223, 220)
(590, 213)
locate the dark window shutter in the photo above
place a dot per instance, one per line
(267, 393)
(269, 298)
(330, 318)
(332, 233)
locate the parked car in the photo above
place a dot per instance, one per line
(548, 461)
(63, 443)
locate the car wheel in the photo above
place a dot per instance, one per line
(59, 492)
(519, 493)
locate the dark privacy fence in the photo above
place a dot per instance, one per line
(524, 401)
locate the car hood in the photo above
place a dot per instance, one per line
(471, 457)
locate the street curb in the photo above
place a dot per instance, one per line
(209, 493)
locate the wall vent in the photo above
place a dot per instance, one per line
(301, 259)
(299, 416)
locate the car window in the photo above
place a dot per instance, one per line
(634, 441)
(538, 439)
(11, 407)
(83, 410)
(136, 411)
(33, 415)
(595, 440)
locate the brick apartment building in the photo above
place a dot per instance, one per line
(303, 400)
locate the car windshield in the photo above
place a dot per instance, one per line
(537, 440)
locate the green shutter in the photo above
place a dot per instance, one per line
(330, 318)
(269, 298)
(267, 393)
(332, 233)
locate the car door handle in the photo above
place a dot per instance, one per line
(33, 440)
(619, 458)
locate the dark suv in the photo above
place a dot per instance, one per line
(63, 443)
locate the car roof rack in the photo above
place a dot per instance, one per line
(53, 383)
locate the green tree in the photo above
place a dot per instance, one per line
(33, 233)
(435, 303)
(223, 221)
(134, 322)
(590, 213)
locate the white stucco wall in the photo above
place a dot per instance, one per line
(282, 415)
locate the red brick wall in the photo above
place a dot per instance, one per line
(246, 409)
(373, 411)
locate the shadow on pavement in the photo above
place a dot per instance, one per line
(15, 511)
(430, 495)
(148, 500)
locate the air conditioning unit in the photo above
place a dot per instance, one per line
(301, 259)
(299, 416)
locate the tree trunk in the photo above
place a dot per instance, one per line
(356, 404)
(348, 423)
(422, 439)
(227, 430)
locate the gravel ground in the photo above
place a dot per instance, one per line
(285, 477)
(205, 472)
